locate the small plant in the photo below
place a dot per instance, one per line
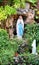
(6, 48)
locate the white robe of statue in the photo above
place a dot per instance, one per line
(34, 47)
(17, 29)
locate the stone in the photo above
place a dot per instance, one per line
(34, 47)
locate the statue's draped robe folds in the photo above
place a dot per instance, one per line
(20, 28)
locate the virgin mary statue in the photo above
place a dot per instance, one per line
(20, 27)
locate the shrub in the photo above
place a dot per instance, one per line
(7, 48)
(31, 59)
(32, 32)
(26, 59)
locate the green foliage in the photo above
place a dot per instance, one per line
(7, 48)
(37, 17)
(27, 59)
(10, 10)
(6, 11)
(32, 32)
(37, 14)
(1, 0)
(20, 3)
(32, 1)
(16, 3)
(2, 14)
(31, 59)
(38, 48)
(3, 37)
(10, 2)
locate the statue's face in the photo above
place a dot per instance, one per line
(20, 17)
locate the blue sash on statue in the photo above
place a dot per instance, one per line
(20, 28)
